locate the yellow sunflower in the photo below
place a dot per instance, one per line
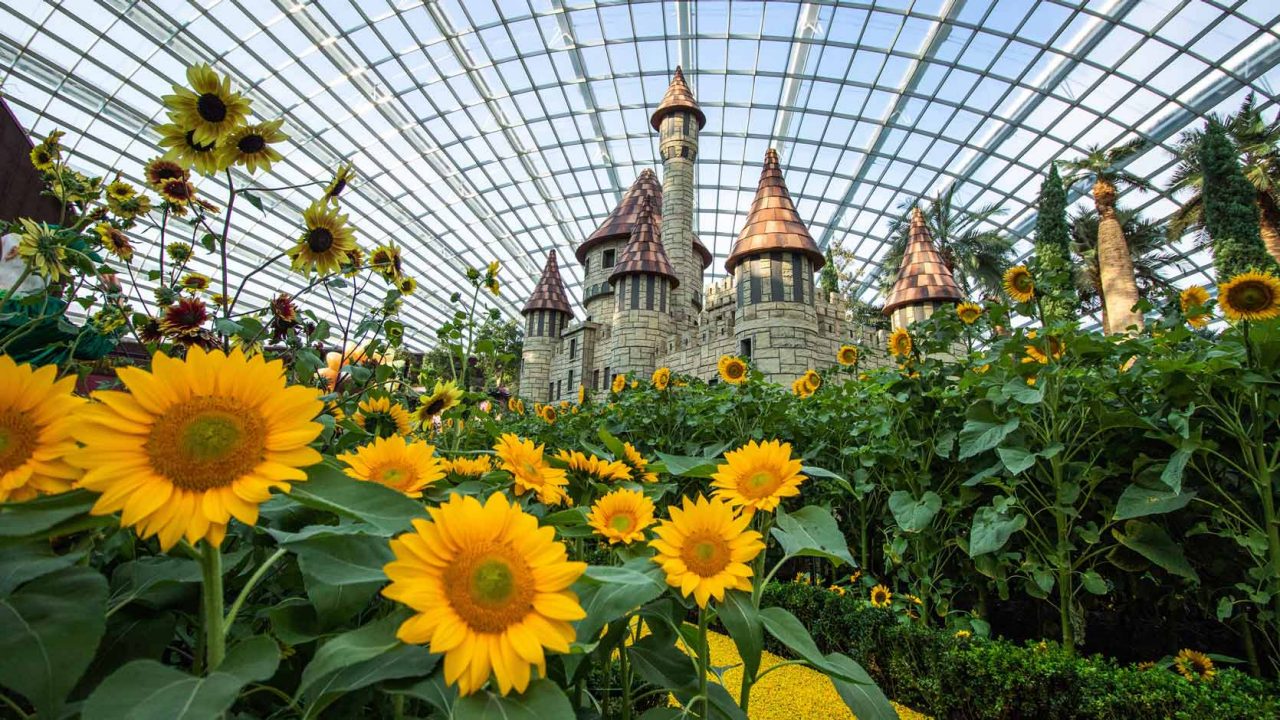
(662, 378)
(466, 466)
(847, 355)
(196, 442)
(159, 171)
(900, 343)
(326, 241)
(969, 312)
(619, 383)
(444, 396)
(178, 192)
(387, 260)
(407, 285)
(963, 634)
(548, 413)
(732, 369)
(400, 464)
(1250, 296)
(490, 591)
(800, 388)
(185, 152)
(43, 158)
(36, 426)
(757, 476)
(593, 466)
(621, 516)
(119, 190)
(515, 405)
(195, 282)
(523, 459)
(638, 463)
(1194, 665)
(582, 394)
(812, 380)
(837, 590)
(1192, 300)
(880, 596)
(1019, 284)
(1035, 351)
(705, 548)
(250, 146)
(114, 240)
(209, 109)
(379, 416)
(341, 179)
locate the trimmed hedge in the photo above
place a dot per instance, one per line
(940, 675)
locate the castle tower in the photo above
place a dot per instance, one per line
(924, 281)
(772, 263)
(644, 282)
(546, 315)
(678, 119)
(599, 253)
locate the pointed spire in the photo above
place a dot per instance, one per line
(922, 276)
(549, 293)
(678, 97)
(773, 223)
(644, 254)
(620, 222)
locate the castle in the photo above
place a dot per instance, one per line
(644, 298)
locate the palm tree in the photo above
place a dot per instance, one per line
(1258, 143)
(1147, 253)
(976, 255)
(1102, 167)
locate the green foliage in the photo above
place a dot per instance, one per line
(1230, 207)
(829, 278)
(1052, 265)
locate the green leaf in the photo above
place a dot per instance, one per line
(991, 530)
(860, 693)
(152, 580)
(28, 561)
(609, 593)
(1153, 543)
(819, 473)
(1093, 582)
(1018, 389)
(614, 445)
(341, 660)
(341, 569)
(688, 466)
(1171, 476)
(812, 532)
(431, 689)
(542, 700)
(914, 515)
(1138, 501)
(741, 618)
(402, 661)
(52, 624)
(983, 431)
(784, 627)
(252, 199)
(1016, 459)
(328, 488)
(227, 327)
(46, 514)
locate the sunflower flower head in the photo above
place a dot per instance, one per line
(662, 378)
(444, 397)
(638, 463)
(757, 476)
(812, 380)
(388, 261)
(847, 355)
(530, 470)
(968, 312)
(399, 463)
(881, 597)
(1251, 295)
(341, 179)
(1019, 285)
(470, 467)
(619, 383)
(208, 108)
(195, 282)
(592, 467)
(119, 190)
(1194, 665)
(705, 548)
(622, 516)
(114, 240)
(800, 388)
(325, 241)
(1192, 301)
(42, 249)
(36, 426)
(900, 343)
(733, 370)
(381, 417)
(548, 413)
(249, 146)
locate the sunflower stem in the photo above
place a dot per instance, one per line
(248, 586)
(704, 661)
(26, 273)
(215, 636)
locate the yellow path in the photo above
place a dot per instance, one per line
(794, 692)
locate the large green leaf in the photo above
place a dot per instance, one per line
(402, 661)
(348, 650)
(609, 593)
(542, 700)
(29, 560)
(983, 431)
(662, 665)
(789, 631)
(992, 529)
(741, 618)
(51, 626)
(152, 580)
(328, 488)
(1016, 459)
(911, 514)
(1138, 501)
(50, 515)
(860, 694)
(811, 532)
(1153, 543)
(689, 466)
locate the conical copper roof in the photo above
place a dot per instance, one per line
(549, 293)
(922, 276)
(644, 254)
(773, 223)
(622, 220)
(678, 97)
(703, 253)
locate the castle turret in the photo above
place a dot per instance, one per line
(678, 119)
(546, 315)
(599, 253)
(772, 263)
(644, 281)
(924, 281)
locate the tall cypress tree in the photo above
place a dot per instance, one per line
(829, 279)
(1052, 255)
(1230, 208)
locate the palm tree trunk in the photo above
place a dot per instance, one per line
(1269, 224)
(1106, 323)
(1115, 264)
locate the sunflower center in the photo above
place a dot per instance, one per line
(735, 370)
(760, 484)
(319, 239)
(18, 437)
(207, 442)
(251, 143)
(392, 475)
(490, 587)
(211, 108)
(198, 147)
(705, 554)
(622, 522)
(1251, 297)
(435, 407)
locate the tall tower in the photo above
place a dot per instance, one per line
(678, 120)
(924, 280)
(644, 282)
(772, 265)
(546, 315)
(600, 252)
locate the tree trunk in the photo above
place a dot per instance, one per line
(1269, 224)
(1115, 264)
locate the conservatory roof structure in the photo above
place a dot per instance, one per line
(504, 129)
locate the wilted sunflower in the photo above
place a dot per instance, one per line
(847, 355)
(178, 193)
(36, 420)
(400, 464)
(1192, 301)
(185, 152)
(662, 378)
(594, 467)
(159, 171)
(1019, 284)
(250, 146)
(444, 396)
(621, 516)
(195, 442)
(119, 190)
(41, 248)
(382, 417)
(465, 466)
(1194, 665)
(900, 343)
(638, 464)
(341, 179)
(490, 591)
(185, 318)
(880, 596)
(705, 549)
(325, 242)
(524, 460)
(969, 312)
(209, 108)
(1250, 295)
(812, 380)
(548, 413)
(757, 476)
(732, 369)
(619, 383)
(387, 261)
(114, 240)
(195, 282)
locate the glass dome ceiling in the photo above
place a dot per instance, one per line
(503, 129)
